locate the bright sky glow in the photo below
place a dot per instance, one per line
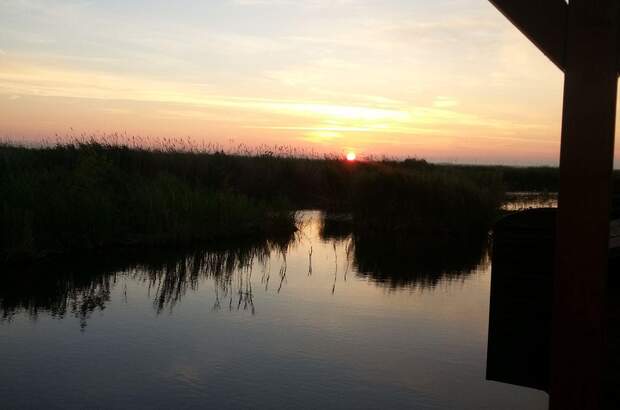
(447, 80)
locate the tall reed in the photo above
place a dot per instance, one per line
(92, 194)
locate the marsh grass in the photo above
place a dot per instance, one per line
(432, 200)
(93, 194)
(89, 196)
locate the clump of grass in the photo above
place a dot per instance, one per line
(89, 196)
(437, 201)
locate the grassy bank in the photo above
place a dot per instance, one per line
(93, 195)
(435, 201)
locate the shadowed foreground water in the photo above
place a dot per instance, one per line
(325, 319)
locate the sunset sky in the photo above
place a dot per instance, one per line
(447, 80)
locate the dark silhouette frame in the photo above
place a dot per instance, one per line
(581, 38)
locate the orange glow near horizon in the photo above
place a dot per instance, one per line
(351, 156)
(444, 80)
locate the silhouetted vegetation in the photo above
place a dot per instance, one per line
(91, 194)
(525, 179)
(520, 179)
(429, 200)
(88, 196)
(82, 285)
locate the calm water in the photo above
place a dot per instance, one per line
(327, 320)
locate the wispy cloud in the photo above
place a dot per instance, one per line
(426, 73)
(325, 117)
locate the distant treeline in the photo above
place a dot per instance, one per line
(527, 179)
(522, 179)
(90, 194)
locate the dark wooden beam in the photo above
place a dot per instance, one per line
(586, 163)
(583, 39)
(544, 22)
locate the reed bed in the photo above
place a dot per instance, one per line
(95, 194)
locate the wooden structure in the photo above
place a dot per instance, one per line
(581, 38)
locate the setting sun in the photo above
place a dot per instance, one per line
(351, 156)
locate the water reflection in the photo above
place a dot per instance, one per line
(230, 268)
(417, 261)
(405, 260)
(81, 286)
(70, 289)
(519, 340)
(520, 300)
(324, 318)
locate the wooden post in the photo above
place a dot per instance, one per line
(586, 165)
(581, 38)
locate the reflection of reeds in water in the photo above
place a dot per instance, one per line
(348, 250)
(80, 287)
(59, 293)
(310, 262)
(230, 270)
(283, 269)
(404, 259)
(417, 262)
